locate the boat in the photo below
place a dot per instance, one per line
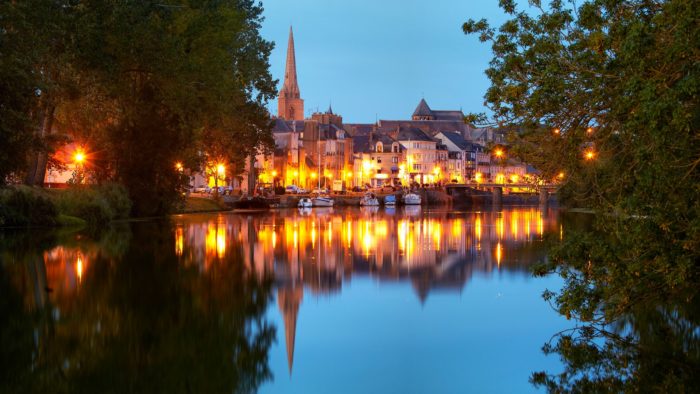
(322, 201)
(390, 200)
(369, 200)
(255, 204)
(305, 203)
(411, 199)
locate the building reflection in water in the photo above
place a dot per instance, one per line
(314, 250)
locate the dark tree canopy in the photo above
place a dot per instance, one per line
(142, 85)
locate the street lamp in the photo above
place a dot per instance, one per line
(589, 155)
(79, 157)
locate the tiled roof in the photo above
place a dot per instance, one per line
(360, 143)
(449, 115)
(412, 134)
(431, 127)
(422, 109)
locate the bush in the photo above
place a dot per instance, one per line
(96, 205)
(26, 206)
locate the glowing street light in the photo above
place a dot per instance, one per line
(178, 166)
(220, 169)
(274, 173)
(589, 155)
(79, 156)
(560, 175)
(556, 131)
(498, 153)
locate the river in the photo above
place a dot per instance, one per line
(344, 300)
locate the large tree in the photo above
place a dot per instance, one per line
(606, 91)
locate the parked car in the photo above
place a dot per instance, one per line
(291, 189)
(200, 189)
(320, 191)
(301, 190)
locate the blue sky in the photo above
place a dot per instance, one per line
(378, 58)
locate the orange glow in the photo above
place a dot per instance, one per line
(561, 175)
(313, 175)
(498, 153)
(79, 268)
(179, 241)
(514, 178)
(499, 253)
(220, 169)
(477, 227)
(589, 130)
(556, 131)
(79, 156)
(589, 155)
(274, 173)
(178, 166)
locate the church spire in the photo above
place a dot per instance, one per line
(290, 106)
(290, 88)
(288, 300)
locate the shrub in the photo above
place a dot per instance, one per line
(26, 206)
(118, 199)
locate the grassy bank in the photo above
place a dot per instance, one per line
(22, 206)
(202, 204)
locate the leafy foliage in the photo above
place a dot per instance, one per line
(607, 92)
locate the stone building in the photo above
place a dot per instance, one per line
(290, 106)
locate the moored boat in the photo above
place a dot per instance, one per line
(390, 200)
(322, 201)
(305, 203)
(411, 199)
(251, 205)
(369, 200)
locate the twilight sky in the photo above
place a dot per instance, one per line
(377, 58)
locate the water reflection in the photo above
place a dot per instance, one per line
(316, 250)
(181, 305)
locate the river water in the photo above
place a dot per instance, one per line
(344, 300)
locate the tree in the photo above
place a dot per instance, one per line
(607, 92)
(168, 75)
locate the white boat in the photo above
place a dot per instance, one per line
(322, 201)
(411, 199)
(305, 203)
(390, 200)
(369, 200)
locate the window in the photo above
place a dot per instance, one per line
(395, 148)
(380, 147)
(395, 159)
(416, 167)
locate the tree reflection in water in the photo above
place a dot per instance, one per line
(82, 317)
(633, 295)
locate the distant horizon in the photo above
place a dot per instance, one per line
(376, 61)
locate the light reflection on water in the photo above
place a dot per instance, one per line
(314, 253)
(318, 250)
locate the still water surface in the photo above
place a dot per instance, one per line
(299, 301)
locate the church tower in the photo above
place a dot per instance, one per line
(290, 106)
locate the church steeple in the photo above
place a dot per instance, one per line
(288, 300)
(291, 87)
(290, 105)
